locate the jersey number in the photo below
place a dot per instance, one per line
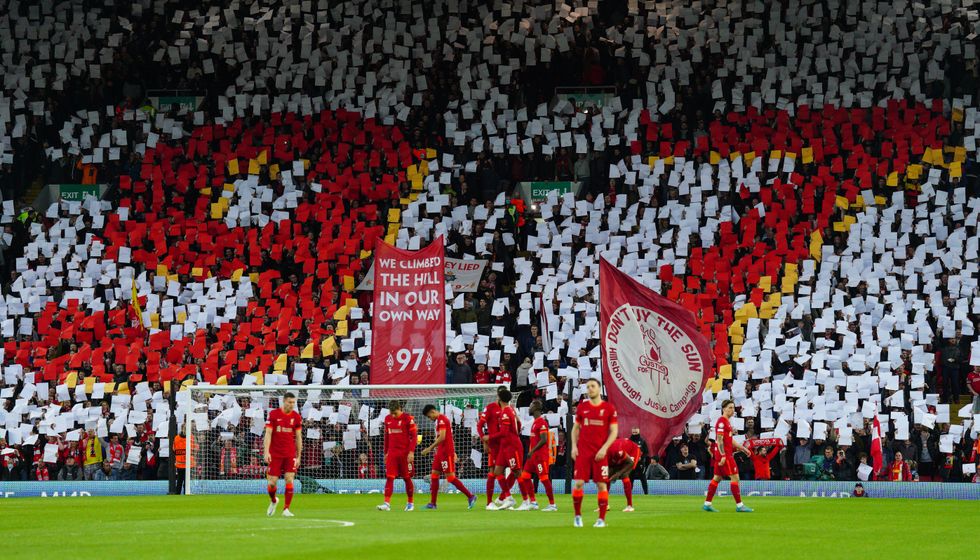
(605, 471)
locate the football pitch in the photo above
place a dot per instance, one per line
(348, 526)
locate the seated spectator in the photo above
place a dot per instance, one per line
(826, 464)
(656, 471)
(104, 472)
(687, 466)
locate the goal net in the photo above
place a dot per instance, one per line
(343, 434)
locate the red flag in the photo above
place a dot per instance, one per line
(409, 323)
(655, 361)
(877, 463)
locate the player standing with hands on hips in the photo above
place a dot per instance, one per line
(401, 438)
(723, 459)
(595, 429)
(282, 446)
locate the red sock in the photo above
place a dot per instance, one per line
(389, 489)
(603, 504)
(511, 479)
(577, 495)
(712, 488)
(272, 493)
(409, 489)
(548, 490)
(433, 488)
(460, 486)
(504, 487)
(529, 487)
(736, 492)
(289, 495)
(490, 482)
(628, 490)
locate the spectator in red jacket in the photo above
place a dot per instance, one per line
(365, 469)
(899, 470)
(762, 459)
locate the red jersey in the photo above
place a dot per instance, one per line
(492, 419)
(284, 428)
(623, 449)
(540, 429)
(723, 434)
(447, 446)
(481, 424)
(401, 434)
(594, 422)
(509, 432)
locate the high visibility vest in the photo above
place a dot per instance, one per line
(180, 452)
(552, 447)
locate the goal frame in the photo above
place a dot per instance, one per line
(205, 387)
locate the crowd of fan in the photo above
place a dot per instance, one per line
(259, 257)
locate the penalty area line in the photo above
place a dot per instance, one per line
(312, 523)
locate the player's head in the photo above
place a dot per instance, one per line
(593, 389)
(537, 408)
(430, 412)
(728, 408)
(395, 407)
(501, 389)
(288, 402)
(504, 396)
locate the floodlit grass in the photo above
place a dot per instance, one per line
(348, 526)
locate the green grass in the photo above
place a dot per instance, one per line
(674, 527)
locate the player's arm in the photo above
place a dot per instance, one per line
(299, 444)
(720, 442)
(542, 441)
(413, 433)
(575, 430)
(613, 434)
(384, 450)
(440, 437)
(625, 470)
(266, 443)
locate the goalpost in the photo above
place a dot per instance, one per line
(343, 434)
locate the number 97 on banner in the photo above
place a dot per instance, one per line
(408, 359)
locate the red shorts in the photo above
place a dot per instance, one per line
(397, 466)
(280, 465)
(510, 455)
(539, 465)
(587, 468)
(730, 468)
(444, 462)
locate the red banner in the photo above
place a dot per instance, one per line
(655, 361)
(408, 320)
